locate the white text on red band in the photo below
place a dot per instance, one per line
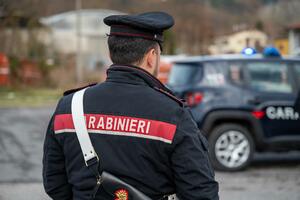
(118, 124)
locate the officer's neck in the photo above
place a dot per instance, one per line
(145, 67)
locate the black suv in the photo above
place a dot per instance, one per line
(241, 103)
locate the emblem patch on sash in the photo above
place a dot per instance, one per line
(121, 194)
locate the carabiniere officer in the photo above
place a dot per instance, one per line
(142, 133)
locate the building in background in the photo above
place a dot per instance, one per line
(23, 49)
(282, 44)
(236, 42)
(294, 39)
(93, 37)
(22, 36)
(4, 70)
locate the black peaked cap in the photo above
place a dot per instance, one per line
(149, 25)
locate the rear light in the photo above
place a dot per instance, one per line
(258, 114)
(194, 98)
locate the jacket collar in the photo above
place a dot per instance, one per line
(134, 75)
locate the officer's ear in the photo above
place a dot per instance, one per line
(110, 56)
(150, 59)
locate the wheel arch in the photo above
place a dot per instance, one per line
(244, 118)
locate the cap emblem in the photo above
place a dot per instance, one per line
(121, 194)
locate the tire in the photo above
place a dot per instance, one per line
(231, 147)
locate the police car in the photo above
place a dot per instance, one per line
(242, 103)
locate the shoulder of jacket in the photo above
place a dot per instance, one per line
(180, 102)
(77, 89)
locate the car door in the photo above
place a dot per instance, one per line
(297, 74)
(274, 89)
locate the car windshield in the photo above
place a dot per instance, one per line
(185, 74)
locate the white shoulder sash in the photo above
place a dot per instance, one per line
(79, 122)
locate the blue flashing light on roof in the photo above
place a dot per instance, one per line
(271, 52)
(249, 51)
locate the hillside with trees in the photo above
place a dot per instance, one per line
(198, 22)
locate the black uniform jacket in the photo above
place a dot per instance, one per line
(142, 134)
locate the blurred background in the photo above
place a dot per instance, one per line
(48, 46)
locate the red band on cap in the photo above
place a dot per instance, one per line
(123, 30)
(133, 35)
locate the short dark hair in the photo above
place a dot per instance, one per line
(129, 50)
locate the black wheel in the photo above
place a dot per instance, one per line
(231, 147)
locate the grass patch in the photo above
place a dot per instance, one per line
(32, 97)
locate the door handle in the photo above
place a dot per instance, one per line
(254, 101)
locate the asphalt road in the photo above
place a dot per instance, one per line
(22, 131)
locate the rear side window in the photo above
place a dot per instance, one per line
(214, 74)
(185, 74)
(269, 77)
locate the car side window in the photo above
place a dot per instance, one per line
(185, 74)
(214, 74)
(297, 69)
(269, 77)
